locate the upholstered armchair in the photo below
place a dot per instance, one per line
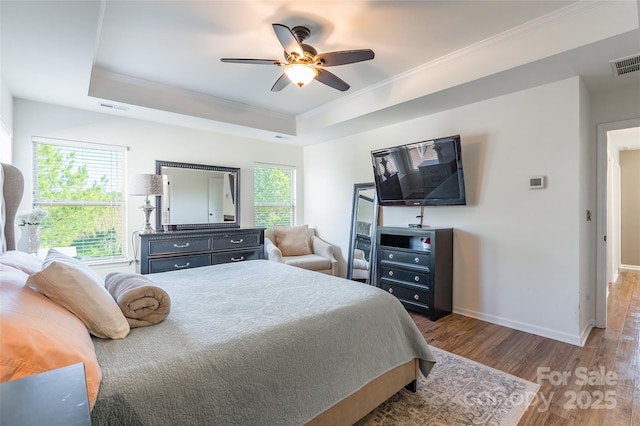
(300, 246)
(360, 269)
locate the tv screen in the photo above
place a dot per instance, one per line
(427, 173)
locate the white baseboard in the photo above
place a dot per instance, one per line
(630, 267)
(587, 330)
(576, 340)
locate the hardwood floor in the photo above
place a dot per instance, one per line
(602, 385)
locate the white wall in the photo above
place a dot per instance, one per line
(586, 216)
(613, 213)
(147, 142)
(517, 259)
(6, 106)
(6, 123)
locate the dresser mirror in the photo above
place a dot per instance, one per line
(197, 196)
(364, 218)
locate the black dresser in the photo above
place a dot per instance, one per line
(168, 251)
(416, 266)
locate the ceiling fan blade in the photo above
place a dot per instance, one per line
(280, 83)
(344, 57)
(253, 61)
(288, 40)
(331, 80)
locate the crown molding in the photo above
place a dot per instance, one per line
(568, 11)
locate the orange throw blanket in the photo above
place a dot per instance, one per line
(141, 302)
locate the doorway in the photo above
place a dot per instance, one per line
(608, 225)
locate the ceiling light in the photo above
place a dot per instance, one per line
(300, 74)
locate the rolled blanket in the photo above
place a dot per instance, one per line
(141, 302)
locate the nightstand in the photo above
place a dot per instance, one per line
(56, 397)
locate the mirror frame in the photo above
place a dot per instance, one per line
(187, 226)
(374, 225)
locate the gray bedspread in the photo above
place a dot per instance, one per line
(253, 343)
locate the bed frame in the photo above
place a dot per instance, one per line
(354, 407)
(346, 412)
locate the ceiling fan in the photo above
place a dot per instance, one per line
(303, 63)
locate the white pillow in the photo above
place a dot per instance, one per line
(22, 261)
(74, 286)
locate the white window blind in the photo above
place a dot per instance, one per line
(274, 195)
(81, 187)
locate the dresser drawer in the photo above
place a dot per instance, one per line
(179, 245)
(419, 296)
(406, 257)
(407, 275)
(239, 241)
(236, 256)
(179, 262)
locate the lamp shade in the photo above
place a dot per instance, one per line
(145, 184)
(300, 74)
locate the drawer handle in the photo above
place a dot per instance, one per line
(181, 246)
(237, 259)
(390, 290)
(417, 278)
(186, 265)
(390, 255)
(417, 259)
(241, 240)
(416, 297)
(390, 273)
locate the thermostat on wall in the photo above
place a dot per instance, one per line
(536, 182)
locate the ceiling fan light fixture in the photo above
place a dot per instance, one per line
(300, 74)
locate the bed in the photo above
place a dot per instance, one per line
(255, 342)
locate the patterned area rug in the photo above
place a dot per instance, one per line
(458, 391)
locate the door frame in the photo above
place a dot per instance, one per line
(601, 205)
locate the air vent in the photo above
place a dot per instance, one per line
(626, 65)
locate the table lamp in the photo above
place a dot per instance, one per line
(146, 184)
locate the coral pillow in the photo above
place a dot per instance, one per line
(74, 286)
(292, 240)
(36, 335)
(20, 260)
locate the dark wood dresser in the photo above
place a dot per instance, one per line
(420, 276)
(171, 250)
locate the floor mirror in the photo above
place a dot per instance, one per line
(364, 218)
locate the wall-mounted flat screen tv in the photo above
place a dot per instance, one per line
(427, 173)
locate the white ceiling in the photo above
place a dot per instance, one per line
(159, 60)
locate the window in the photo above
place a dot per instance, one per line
(274, 195)
(80, 185)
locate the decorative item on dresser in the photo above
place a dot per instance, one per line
(416, 266)
(166, 251)
(146, 184)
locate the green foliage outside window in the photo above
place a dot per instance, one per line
(84, 204)
(274, 196)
